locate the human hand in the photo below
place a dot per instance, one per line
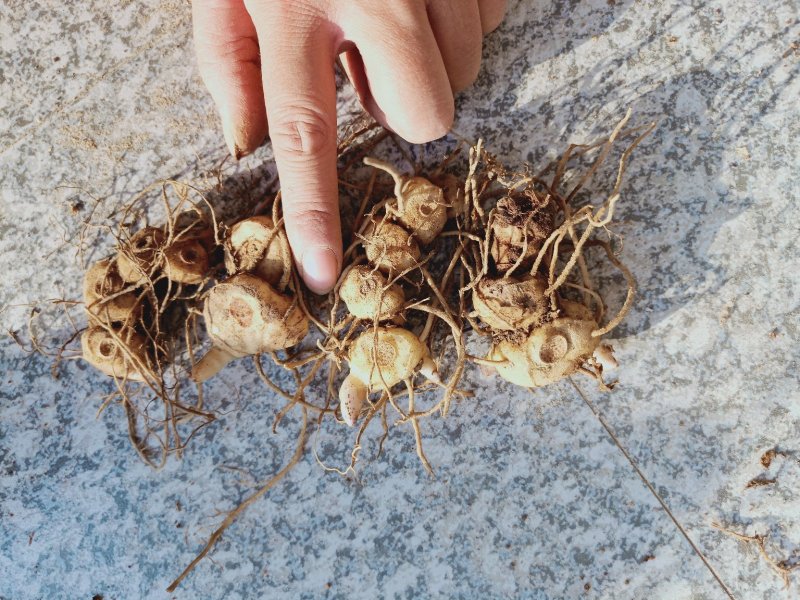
(272, 61)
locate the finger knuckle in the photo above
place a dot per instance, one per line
(215, 48)
(300, 130)
(309, 215)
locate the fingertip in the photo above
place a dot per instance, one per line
(244, 131)
(436, 124)
(319, 268)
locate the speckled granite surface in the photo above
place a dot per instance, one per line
(534, 498)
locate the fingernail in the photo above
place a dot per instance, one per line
(319, 269)
(230, 140)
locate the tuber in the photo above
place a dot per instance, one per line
(115, 351)
(520, 225)
(397, 355)
(420, 208)
(508, 304)
(551, 351)
(244, 315)
(103, 294)
(368, 295)
(186, 262)
(136, 260)
(390, 247)
(255, 246)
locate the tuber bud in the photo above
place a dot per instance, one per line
(186, 262)
(115, 354)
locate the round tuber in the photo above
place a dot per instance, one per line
(254, 246)
(390, 247)
(136, 260)
(509, 304)
(244, 315)
(368, 295)
(397, 355)
(186, 262)
(420, 204)
(102, 297)
(550, 352)
(520, 226)
(115, 351)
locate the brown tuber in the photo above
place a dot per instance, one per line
(520, 226)
(244, 315)
(508, 304)
(368, 295)
(137, 259)
(390, 248)
(420, 208)
(103, 294)
(115, 351)
(397, 355)
(255, 246)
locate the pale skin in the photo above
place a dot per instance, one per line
(269, 65)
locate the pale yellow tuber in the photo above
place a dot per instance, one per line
(390, 247)
(550, 352)
(420, 207)
(368, 295)
(254, 246)
(244, 315)
(397, 355)
(186, 262)
(103, 294)
(453, 194)
(115, 351)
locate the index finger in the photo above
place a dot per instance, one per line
(297, 58)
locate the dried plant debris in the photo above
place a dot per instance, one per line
(431, 256)
(784, 567)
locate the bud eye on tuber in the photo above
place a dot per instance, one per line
(424, 209)
(254, 246)
(186, 262)
(367, 294)
(136, 260)
(115, 354)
